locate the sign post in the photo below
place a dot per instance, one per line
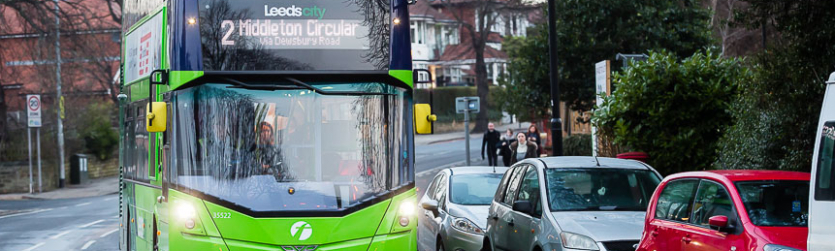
(603, 87)
(33, 115)
(466, 105)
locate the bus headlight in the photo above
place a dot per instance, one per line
(407, 208)
(406, 211)
(185, 211)
(190, 224)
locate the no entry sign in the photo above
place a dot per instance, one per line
(33, 109)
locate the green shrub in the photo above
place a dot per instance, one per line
(577, 145)
(673, 110)
(97, 131)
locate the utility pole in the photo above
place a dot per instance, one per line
(467, 135)
(556, 122)
(58, 93)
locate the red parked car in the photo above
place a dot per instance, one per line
(728, 211)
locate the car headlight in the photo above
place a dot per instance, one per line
(578, 241)
(772, 247)
(467, 226)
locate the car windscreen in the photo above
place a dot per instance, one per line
(599, 189)
(474, 189)
(290, 149)
(776, 203)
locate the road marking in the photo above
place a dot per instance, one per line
(26, 213)
(90, 224)
(61, 208)
(108, 233)
(60, 234)
(83, 204)
(109, 199)
(35, 246)
(87, 245)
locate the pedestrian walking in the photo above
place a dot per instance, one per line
(505, 150)
(522, 148)
(490, 141)
(533, 136)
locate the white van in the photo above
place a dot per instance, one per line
(822, 195)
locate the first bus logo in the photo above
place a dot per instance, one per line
(301, 230)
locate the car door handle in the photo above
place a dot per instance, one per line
(494, 217)
(510, 223)
(686, 239)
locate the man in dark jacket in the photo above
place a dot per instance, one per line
(491, 140)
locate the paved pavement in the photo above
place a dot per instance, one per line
(96, 187)
(430, 139)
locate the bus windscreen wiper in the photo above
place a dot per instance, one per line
(298, 84)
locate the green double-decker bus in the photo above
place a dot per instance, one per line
(268, 125)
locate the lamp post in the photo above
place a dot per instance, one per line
(556, 122)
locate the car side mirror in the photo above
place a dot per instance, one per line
(430, 205)
(719, 222)
(523, 206)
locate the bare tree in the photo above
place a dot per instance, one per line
(735, 40)
(89, 45)
(477, 18)
(115, 10)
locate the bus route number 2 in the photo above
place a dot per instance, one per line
(222, 215)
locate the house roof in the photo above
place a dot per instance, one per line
(422, 8)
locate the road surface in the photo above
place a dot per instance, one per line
(89, 224)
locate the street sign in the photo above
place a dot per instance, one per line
(602, 78)
(464, 104)
(33, 110)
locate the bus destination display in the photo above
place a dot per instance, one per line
(300, 35)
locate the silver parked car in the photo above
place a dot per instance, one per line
(571, 203)
(454, 208)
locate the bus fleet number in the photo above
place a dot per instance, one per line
(222, 215)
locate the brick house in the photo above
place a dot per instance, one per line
(90, 51)
(90, 55)
(443, 46)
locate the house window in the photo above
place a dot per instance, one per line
(417, 29)
(489, 70)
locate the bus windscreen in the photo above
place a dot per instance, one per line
(286, 35)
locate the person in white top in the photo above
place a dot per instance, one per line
(522, 148)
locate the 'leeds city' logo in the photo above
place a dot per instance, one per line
(301, 230)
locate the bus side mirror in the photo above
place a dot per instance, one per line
(155, 120)
(424, 119)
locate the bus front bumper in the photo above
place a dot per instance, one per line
(394, 241)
